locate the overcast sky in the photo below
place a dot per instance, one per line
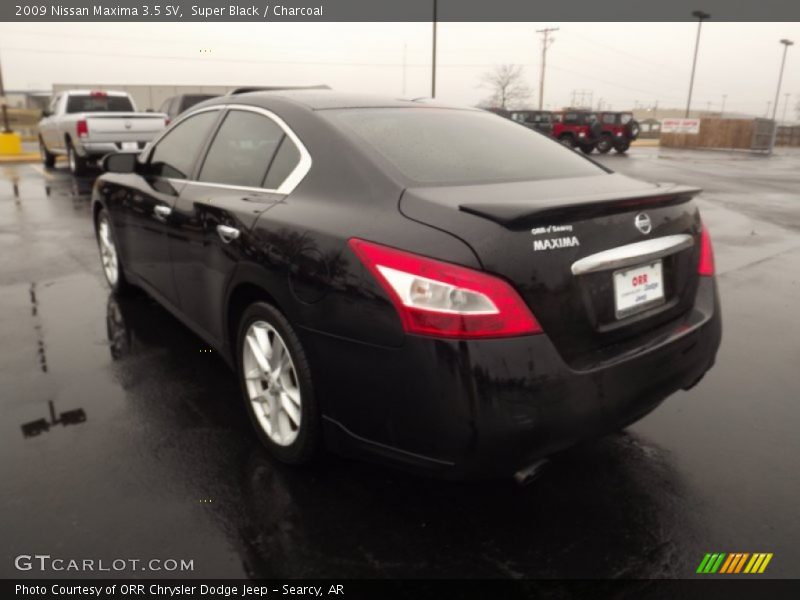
(622, 63)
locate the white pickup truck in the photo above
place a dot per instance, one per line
(86, 125)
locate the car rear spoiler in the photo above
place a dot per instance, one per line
(514, 215)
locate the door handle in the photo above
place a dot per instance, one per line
(227, 234)
(162, 211)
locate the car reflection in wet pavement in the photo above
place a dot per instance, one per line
(159, 459)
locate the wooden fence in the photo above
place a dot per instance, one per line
(788, 135)
(714, 133)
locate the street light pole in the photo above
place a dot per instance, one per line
(785, 105)
(786, 43)
(433, 61)
(700, 16)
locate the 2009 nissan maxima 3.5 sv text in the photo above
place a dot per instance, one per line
(432, 286)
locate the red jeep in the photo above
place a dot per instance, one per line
(619, 129)
(577, 128)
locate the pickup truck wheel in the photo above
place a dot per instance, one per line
(276, 384)
(587, 148)
(604, 145)
(48, 159)
(77, 164)
(109, 254)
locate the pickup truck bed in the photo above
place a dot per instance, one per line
(111, 124)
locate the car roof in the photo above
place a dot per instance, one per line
(316, 99)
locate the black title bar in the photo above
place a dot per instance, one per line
(396, 10)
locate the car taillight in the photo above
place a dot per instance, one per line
(82, 128)
(705, 265)
(445, 300)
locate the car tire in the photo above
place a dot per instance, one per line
(77, 164)
(48, 159)
(587, 148)
(279, 399)
(567, 140)
(632, 129)
(109, 254)
(622, 147)
(604, 144)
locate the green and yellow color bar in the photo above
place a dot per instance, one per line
(734, 563)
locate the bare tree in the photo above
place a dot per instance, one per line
(507, 85)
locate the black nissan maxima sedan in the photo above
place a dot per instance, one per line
(435, 287)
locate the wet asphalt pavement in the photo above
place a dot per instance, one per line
(122, 437)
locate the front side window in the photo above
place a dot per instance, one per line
(626, 118)
(174, 155)
(609, 119)
(242, 150)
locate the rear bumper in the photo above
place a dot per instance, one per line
(98, 149)
(487, 408)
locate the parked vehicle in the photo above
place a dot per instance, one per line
(577, 128)
(424, 285)
(619, 129)
(175, 105)
(85, 125)
(540, 120)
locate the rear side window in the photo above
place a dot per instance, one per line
(286, 159)
(77, 103)
(459, 147)
(609, 119)
(174, 155)
(242, 150)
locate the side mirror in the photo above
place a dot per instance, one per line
(123, 162)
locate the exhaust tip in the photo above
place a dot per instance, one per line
(527, 475)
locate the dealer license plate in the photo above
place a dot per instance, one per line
(638, 289)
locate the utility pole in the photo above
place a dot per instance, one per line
(433, 61)
(3, 107)
(405, 49)
(766, 112)
(786, 43)
(700, 16)
(722, 110)
(546, 41)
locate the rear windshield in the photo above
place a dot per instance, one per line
(459, 147)
(190, 100)
(98, 103)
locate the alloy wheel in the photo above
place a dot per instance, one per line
(272, 384)
(108, 251)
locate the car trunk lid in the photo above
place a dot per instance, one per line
(559, 242)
